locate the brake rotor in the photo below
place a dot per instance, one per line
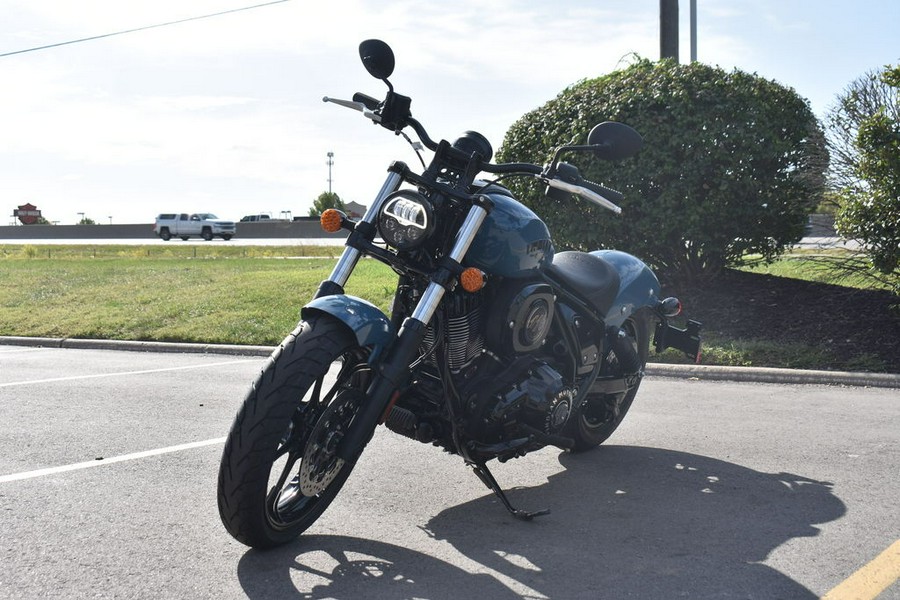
(321, 464)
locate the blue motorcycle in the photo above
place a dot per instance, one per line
(495, 346)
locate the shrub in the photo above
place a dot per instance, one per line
(732, 164)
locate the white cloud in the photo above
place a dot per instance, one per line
(228, 110)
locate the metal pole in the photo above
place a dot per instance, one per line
(693, 30)
(330, 163)
(668, 29)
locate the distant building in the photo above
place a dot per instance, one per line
(355, 210)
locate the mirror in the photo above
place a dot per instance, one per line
(615, 141)
(377, 57)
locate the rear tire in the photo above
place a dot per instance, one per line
(279, 469)
(164, 234)
(600, 414)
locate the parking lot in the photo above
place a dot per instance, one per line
(108, 465)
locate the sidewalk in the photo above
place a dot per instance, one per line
(703, 372)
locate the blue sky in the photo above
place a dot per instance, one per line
(225, 114)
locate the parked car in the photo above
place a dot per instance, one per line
(255, 218)
(185, 226)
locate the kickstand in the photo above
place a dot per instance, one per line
(487, 478)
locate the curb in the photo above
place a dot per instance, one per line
(772, 375)
(173, 347)
(699, 372)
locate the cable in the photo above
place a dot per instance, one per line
(106, 35)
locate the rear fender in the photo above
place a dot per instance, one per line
(370, 326)
(638, 286)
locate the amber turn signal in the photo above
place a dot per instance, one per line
(331, 220)
(472, 279)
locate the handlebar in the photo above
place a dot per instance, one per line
(355, 105)
(566, 178)
(589, 191)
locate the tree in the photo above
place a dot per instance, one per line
(870, 197)
(860, 101)
(732, 165)
(325, 201)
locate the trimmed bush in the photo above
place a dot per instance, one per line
(732, 165)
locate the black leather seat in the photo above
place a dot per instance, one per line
(589, 275)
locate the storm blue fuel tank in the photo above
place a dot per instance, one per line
(513, 241)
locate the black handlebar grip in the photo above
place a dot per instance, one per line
(367, 101)
(608, 193)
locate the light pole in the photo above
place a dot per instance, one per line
(330, 163)
(81, 218)
(693, 30)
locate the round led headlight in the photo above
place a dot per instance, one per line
(406, 220)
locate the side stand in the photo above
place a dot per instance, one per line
(487, 478)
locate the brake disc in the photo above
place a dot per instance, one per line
(321, 464)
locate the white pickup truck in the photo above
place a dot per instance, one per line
(205, 225)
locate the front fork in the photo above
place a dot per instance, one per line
(393, 369)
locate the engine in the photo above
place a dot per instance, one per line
(494, 347)
(529, 397)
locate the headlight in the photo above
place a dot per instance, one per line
(406, 220)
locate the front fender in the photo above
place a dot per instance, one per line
(370, 326)
(638, 286)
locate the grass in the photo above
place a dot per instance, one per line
(252, 295)
(818, 265)
(222, 299)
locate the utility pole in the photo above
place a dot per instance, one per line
(330, 163)
(668, 29)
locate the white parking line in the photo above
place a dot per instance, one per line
(126, 373)
(107, 461)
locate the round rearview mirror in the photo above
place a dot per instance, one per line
(614, 141)
(377, 57)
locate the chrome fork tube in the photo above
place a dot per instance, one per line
(435, 292)
(347, 262)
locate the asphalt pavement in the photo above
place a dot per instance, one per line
(709, 489)
(704, 372)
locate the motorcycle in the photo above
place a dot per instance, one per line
(496, 344)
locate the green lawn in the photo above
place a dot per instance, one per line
(246, 295)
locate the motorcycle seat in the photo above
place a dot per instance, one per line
(589, 275)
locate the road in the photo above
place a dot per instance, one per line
(108, 466)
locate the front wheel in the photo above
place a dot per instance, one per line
(280, 469)
(601, 413)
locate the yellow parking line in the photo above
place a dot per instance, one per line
(871, 579)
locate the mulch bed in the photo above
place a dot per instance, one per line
(849, 321)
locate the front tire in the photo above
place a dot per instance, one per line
(279, 468)
(601, 413)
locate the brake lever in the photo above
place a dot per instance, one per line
(357, 106)
(583, 192)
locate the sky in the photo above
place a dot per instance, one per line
(225, 114)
